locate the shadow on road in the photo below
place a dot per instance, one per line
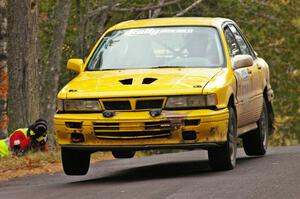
(161, 171)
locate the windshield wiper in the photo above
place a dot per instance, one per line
(109, 69)
(100, 69)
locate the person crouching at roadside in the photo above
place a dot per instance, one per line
(24, 139)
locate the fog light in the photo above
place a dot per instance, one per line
(77, 137)
(189, 135)
(191, 122)
(74, 125)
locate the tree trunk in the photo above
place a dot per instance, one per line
(3, 69)
(23, 97)
(79, 18)
(82, 26)
(85, 46)
(52, 70)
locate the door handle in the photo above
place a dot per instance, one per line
(249, 71)
(259, 67)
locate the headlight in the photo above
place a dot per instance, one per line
(78, 105)
(59, 105)
(192, 101)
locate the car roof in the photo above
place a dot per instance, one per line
(174, 21)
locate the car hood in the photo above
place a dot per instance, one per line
(138, 82)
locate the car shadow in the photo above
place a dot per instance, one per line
(160, 171)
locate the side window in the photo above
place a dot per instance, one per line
(241, 42)
(231, 43)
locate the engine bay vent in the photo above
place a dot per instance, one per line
(126, 81)
(149, 80)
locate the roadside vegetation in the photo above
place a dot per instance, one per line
(30, 164)
(39, 163)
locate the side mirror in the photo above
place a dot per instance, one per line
(241, 61)
(75, 65)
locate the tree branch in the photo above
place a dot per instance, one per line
(97, 11)
(188, 8)
(135, 9)
(157, 11)
(117, 8)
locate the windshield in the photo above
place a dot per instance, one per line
(158, 47)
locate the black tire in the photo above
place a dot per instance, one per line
(75, 162)
(123, 154)
(224, 157)
(255, 142)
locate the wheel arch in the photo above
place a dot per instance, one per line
(231, 102)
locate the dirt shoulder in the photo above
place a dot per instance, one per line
(38, 163)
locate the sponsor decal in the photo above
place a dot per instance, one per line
(156, 31)
(243, 74)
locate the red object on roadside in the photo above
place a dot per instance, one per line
(19, 138)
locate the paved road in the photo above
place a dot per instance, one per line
(177, 175)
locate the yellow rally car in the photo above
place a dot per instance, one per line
(169, 83)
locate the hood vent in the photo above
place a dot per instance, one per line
(149, 80)
(126, 81)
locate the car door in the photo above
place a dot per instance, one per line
(254, 100)
(243, 82)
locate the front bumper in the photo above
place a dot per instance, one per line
(210, 131)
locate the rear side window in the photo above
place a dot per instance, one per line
(231, 43)
(242, 44)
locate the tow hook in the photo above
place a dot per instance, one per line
(155, 113)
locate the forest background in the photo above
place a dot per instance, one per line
(37, 37)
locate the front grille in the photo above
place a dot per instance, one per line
(149, 104)
(105, 126)
(155, 125)
(133, 134)
(117, 105)
(132, 104)
(132, 130)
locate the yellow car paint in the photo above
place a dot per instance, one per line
(105, 85)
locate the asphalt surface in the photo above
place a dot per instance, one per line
(176, 175)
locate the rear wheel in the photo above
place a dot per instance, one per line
(75, 162)
(123, 154)
(224, 157)
(255, 142)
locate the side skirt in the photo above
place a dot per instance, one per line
(246, 128)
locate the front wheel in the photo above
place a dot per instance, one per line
(75, 162)
(255, 142)
(224, 157)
